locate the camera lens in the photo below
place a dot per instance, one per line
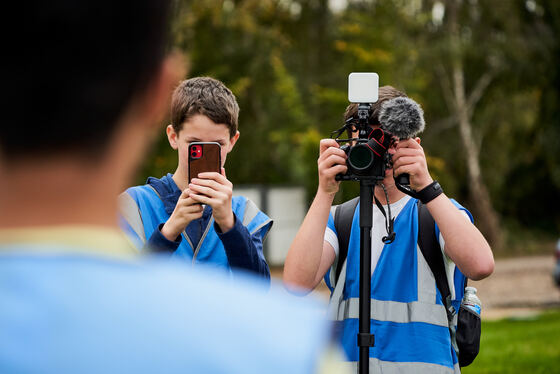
(193, 154)
(360, 157)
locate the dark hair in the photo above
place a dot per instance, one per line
(206, 96)
(88, 58)
(385, 93)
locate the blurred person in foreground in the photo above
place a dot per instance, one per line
(201, 221)
(408, 321)
(74, 295)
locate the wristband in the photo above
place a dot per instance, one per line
(429, 192)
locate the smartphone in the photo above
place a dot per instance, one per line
(363, 87)
(204, 157)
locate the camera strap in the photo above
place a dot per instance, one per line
(389, 221)
(390, 237)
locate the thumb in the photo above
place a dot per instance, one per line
(224, 172)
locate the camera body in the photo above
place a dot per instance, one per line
(367, 156)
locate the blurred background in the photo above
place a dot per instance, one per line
(485, 72)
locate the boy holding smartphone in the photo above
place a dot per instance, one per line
(200, 220)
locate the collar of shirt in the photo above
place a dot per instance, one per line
(68, 239)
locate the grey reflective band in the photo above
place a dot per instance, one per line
(131, 213)
(337, 295)
(388, 367)
(197, 249)
(394, 311)
(251, 211)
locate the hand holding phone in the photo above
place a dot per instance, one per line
(186, 211)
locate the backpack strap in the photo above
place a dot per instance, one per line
(343, 216)
(431, 250)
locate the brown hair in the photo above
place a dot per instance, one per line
(206, 96)
(385, 93)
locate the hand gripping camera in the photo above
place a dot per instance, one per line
(367, 156)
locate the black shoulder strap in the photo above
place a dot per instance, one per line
(429, 245)
(343, 216)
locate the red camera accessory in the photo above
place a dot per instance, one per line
(196, 151)
(378, 142)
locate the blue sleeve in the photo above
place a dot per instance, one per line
(243, 250)
(159, 243)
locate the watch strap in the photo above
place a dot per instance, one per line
(429, 192)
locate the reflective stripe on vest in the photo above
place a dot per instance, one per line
(131, 213)
(387, 367)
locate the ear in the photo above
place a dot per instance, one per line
(417, 140)
(233, 140)
(172, 137)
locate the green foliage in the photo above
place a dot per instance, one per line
(519, 346)
(287, 61)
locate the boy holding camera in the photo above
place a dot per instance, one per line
(408, 320)
(200, 221)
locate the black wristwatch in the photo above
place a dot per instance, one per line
(429, 192)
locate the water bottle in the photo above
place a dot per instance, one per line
(471, 301)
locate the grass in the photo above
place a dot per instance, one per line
(529, 345)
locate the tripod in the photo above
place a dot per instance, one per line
(365, 338)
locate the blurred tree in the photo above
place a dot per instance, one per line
(485, 72)
(462, 102)
(482, 58)
(534, 180)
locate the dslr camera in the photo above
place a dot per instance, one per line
(367, 156)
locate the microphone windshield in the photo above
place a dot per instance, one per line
(402, 117)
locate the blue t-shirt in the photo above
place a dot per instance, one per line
(86, 313)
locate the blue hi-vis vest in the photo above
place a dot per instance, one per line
(149, 211)
(408, 319)
(76, 313)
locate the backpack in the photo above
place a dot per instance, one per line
(468, 331)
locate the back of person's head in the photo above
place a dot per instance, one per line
(88, 60)
(385, 93)
(205, 96)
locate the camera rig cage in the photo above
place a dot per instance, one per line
(368, 158)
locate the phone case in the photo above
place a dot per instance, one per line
(204, 157)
